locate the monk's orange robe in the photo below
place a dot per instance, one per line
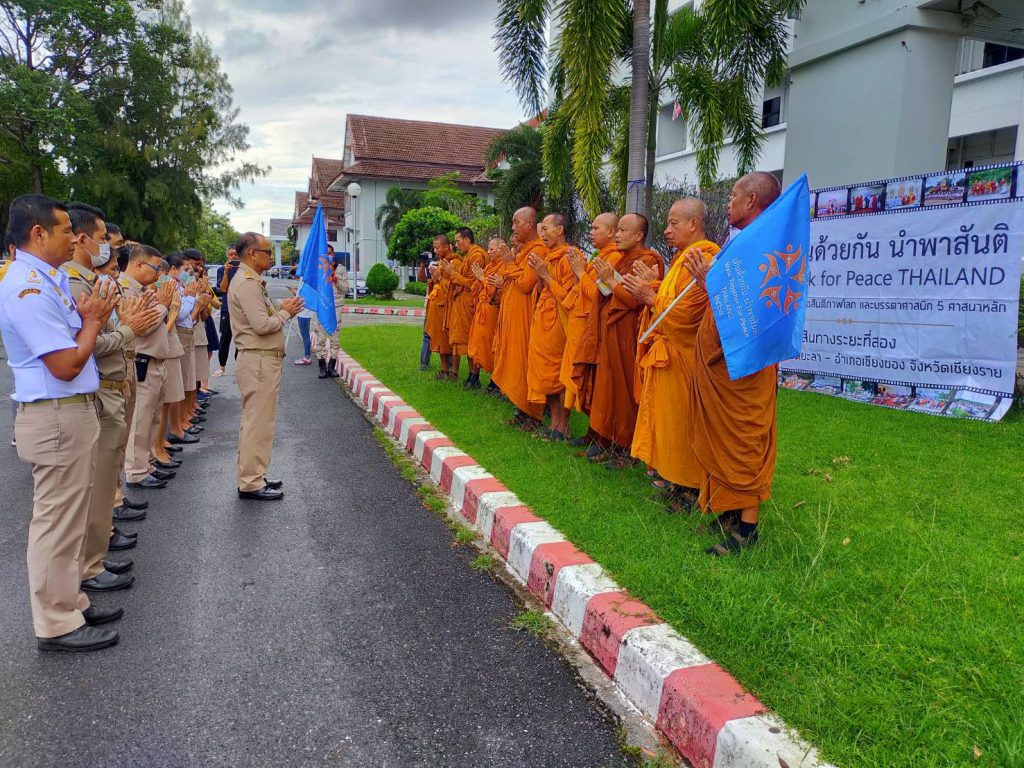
(547, 332)
(610, 340)
(579, 302)
(512, 338)
(663, 425)
(437, 313)
(733, 430)
(463, 298)
(485, 320)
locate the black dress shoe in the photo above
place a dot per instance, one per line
(183, 440)
(149, 482)
(94, 615)
(85, 638)
(174, 449)
(263, 494)
(274, 485)
(105, 581)
(194, 431)
(162, 475)
(172, 464)
(122, 515)
(129, 504)
(119, 543)
(119, 566)
(197, 420)
(119, 532)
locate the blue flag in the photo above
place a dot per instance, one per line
(316, 271)
(758, 286)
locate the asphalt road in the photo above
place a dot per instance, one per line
(338, 627)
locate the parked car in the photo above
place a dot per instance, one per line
(283, 272)
(360, 289)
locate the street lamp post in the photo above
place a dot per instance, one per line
(354, 190)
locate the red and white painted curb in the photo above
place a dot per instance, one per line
(693, 702)
(385, 311)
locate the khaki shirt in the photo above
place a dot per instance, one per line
(114, 340)
(154, 343)
(256, 323)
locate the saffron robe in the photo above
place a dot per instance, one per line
(462, 299)
(512, 337)
(437, 312)
(733, 427)
(547, 331)
(485, 320)
(665, 373)
(607, 386)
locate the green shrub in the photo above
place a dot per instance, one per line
(416, 288)
(415, 233)
(381, 281)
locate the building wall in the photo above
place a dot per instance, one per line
(302, 234)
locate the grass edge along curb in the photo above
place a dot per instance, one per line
(693, 702)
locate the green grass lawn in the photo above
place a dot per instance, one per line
(373, 301)
(881, 614)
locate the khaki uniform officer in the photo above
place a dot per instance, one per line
(49, 350)
(257, 327)
(151, 351)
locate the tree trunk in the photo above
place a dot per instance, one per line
(652, 150)
(639, 106)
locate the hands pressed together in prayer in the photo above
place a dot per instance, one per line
(293, 306)
(478, 272)
(506, 253)
(538, 265)
(95, 308)
(577, 262)
(140, 314)
(693, 260)
(638, 283)
(166, 294)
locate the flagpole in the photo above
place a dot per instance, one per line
(672, 306)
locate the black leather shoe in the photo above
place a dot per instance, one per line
(119, 532)
(119, 566)
(263, 494)
(194, 431)
(162, 475)
(183, 440)
(122, 515)
(274, 485)
(149, 482)
(129, 504)
(119, 543)
(173, 449)
(85, 638)
(94, 615)
(172, 464)
(197, 420)
(108, 582)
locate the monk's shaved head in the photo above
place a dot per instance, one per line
(554, 220)
(690, 208)
(751, 195)
(602, 231)
(632, 232)
(552, 230)
(524, 224)
(686, 222)
(526, 214)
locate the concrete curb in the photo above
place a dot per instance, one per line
(385, 311)
(698, 706)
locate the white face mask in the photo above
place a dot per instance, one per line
(103, 256)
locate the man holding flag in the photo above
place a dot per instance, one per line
(316, 270)
(757, 290)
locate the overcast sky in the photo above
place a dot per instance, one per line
(298, 66)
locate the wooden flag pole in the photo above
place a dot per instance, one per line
(659, 318)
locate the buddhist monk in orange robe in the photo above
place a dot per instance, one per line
(512, 338)
(665, 359)
(438, 295)
(553, 277)
(605, 369)
(485, 314)
(733, 433)
(582, 297)
(464, 287)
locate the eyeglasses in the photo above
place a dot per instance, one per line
(263, 250)
(154, 267)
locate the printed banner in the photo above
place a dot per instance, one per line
(913, 289)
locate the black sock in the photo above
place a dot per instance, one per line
(746, 529)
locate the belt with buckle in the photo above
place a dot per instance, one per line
(265, 353)
(186, 331)
(119, 386)
(57, 401)
(129, 355)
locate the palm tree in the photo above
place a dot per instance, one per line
(397, 203)
(520, 184)
(716, 61)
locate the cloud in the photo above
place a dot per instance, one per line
(298, 67)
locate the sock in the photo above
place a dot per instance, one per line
(746, 529)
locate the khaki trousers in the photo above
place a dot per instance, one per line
(259, 380)
(325, 346)
(148, 402)
(188, 361)
(129, 418)
(110, 410)
(59, 442)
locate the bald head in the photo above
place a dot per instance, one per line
(524, 224)
(631, 233)
(686, 223)
(602, 230)
(552, 230)
(442, 246)
(751, 195)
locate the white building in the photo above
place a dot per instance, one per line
(322, 172)
(882, 88)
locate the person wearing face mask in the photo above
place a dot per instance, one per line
(91, 253)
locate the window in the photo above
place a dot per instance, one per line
(771, 112)
(996, 54)
(671, 133)
(332, 235)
